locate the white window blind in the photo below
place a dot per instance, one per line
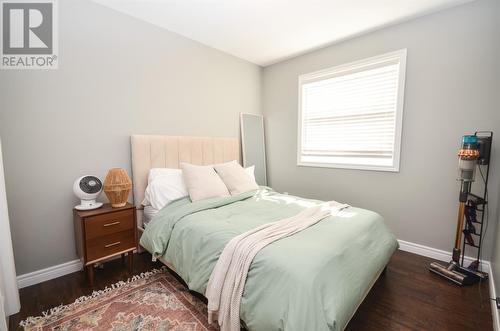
(350, 116)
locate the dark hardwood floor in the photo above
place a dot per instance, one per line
(407, 297)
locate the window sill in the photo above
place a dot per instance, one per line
(349, 166)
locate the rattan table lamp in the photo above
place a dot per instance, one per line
(117, 186)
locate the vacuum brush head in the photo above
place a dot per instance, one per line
(450, 272)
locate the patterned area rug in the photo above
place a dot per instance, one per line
(151, 301)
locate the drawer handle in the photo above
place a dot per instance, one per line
(111, 224)
(113, 244)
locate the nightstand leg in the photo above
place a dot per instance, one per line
(130, 262)
(123, 258)
(90, 274)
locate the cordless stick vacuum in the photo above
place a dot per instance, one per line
(467, 161)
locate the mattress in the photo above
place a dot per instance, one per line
(313, 280)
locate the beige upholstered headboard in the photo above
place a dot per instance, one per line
(169, 151)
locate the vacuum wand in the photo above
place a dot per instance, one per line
(464, 192)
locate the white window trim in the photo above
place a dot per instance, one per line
(336, 70)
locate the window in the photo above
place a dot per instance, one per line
(350, 116)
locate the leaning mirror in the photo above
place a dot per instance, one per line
(253, 145)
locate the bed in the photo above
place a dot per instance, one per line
(313, 280)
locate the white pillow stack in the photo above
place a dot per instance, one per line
(164, 186)
(198, 182)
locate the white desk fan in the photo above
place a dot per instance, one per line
(87, 188)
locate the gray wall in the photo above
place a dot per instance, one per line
(452, 88)
(117, 76)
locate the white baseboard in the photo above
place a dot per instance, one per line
(49, 273)
(446, 257)
(493, 294)
(437, 254)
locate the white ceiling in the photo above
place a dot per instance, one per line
(269, 31)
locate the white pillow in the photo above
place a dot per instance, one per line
(202, 182)
(158, 172)
(237, 180)
(164, 186)
(251, 171)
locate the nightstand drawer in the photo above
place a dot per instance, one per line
(108, 245)
(102, 225)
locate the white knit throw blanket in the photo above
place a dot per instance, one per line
(227, 281)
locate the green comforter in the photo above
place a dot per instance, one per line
(313, 280)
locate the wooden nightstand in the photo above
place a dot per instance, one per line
(104, 233)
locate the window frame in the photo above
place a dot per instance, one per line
(352, 67)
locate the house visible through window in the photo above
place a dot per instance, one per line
(350, 116)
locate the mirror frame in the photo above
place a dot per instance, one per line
(263, 139)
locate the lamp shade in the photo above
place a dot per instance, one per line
(117, 186)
